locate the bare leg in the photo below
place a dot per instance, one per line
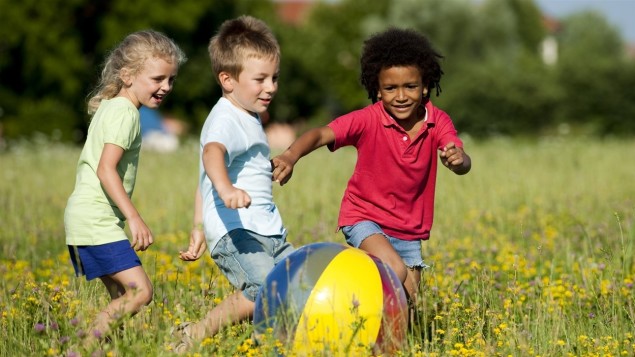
(235, 308)
(413, 279)
(129, 291)
(380, 247)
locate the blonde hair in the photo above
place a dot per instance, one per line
(239, 39)
(131, 54)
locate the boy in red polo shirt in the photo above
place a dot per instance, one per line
(388, 205)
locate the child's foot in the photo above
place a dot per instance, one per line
(183, 336)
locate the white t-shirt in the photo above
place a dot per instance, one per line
(248, 167)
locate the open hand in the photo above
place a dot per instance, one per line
(197, 246)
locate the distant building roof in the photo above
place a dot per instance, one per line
(293, 11)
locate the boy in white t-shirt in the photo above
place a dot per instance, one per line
(234, 212)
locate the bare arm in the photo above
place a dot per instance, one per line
(214, 163)
(112, 184)
(315, 138)
(455, 159)
(197, 245)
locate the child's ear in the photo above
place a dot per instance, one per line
(425, 91)
(226, 81)
(126, 76)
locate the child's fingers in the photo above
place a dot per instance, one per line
(187, 256)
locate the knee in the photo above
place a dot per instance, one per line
(147, 295)
(399, 268)
(142, 296)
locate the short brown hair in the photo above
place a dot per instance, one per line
(238, 39)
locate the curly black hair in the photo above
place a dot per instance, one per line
(399, 47)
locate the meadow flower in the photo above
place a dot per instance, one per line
(97, 333)
(39, 327)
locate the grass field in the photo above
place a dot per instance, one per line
(532, 253)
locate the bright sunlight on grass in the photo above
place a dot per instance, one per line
(531, 253)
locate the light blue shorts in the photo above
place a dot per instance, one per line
(408, 250)
(246, 258)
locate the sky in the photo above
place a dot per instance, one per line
(619, 13)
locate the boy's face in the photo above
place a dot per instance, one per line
(255, 86)
(401, 90)
(150, 86)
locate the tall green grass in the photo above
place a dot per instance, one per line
(531, 253)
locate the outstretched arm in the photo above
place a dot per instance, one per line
(455, 159)
(283, 164)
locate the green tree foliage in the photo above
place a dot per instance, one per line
(41, 66)
(51, 52)
(594, 75)
(492, 63)
(495, 81)
(330, 46)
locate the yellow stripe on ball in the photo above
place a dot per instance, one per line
(345, 305)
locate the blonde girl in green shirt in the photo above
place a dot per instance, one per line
(139, 71)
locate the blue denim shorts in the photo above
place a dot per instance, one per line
(246, 258)
(408, 250)
(105, 259)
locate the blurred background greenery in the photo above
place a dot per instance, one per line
(509, 69)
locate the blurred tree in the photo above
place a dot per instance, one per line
(330, 48)
(503, 88)
(495, 83)
(51, 52)
(591, 69)
(491, 61)
(41, 67)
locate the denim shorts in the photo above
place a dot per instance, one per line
(408, 250)
(246, 258)
(105, 259)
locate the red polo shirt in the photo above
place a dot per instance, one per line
(394, 179)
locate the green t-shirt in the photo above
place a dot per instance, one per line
(91, 218)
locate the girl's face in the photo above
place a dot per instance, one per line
(401, 90)
(255, 86)
(150, 85)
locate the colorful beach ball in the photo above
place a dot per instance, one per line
(328, 297)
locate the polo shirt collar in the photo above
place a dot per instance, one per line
(388, 121)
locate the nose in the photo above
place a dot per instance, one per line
(401, 94)
(271, 86)
(166, 85)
